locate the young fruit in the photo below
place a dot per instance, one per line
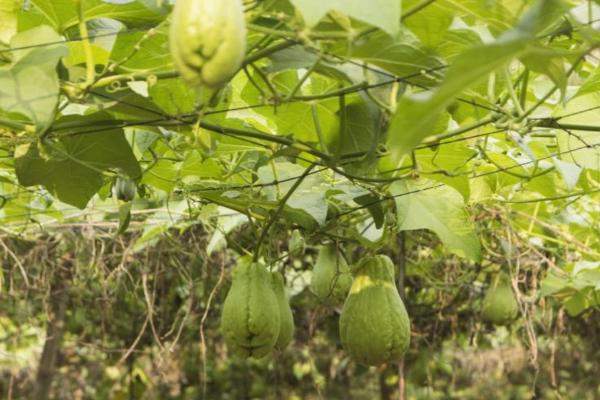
(331, 278)
(499, 304)
(207, 40)
(296, 244)
(124, 189)
(374, 325)
(286, 327)
(250, 321)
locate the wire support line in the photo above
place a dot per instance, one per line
(484, 174)
(382, 199)
(67, 40)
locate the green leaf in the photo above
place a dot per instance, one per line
(591, 84)
(30, 86)
(424, 204)
(401, 55)
(577, 303)
(417, 114)
(309, 196)
(549, 63)
(374, 206)
(77, 54)
(456, 42)
(298, 57)
(162, 174)
(153, 54)
(227, 220)
(124, 217)
(552, 284)
(384, 14)
(160, 222)
(581, 148)
(73, 171)
(447, 164)
(63, 14)
(495, 15)
(569, 172)
(429, 24)
(173, 96)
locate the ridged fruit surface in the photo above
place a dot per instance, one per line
(208, 40)
(250, 321)
(374, 324)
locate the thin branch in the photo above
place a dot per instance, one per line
(279, 209)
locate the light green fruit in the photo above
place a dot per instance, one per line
(124, 188)
(499, 304)
(208, 40)
(374, 325)
(250, 320)
(286, 328)
(296, 244)
(331, 278)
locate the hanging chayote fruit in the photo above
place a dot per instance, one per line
(286, 327)
(124, 188)
(331, 278)
(250, 321)
(208, 40)
(374, 325)
(296, 244)
(499, 304)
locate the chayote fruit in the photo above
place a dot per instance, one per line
(499, 304)
(374, 325)
(250, 320)
(124, 188)
(286, 327)
(207, 40)
(296, 244)
(331, 277)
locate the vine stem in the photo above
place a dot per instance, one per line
(416, 8)
(15, 125)
(401, 290)
(550, 92)
(87, 47)
(174, 74)
(459, 131)
(212, 294)
(279, 209)
(511, 92)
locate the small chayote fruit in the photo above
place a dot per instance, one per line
(124, 188)
(296, 244)
(499, 304)
(331, 277)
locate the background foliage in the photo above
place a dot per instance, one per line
(458, 137)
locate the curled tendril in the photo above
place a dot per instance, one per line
(114, 87)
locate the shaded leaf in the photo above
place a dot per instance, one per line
(30, 86)
(73, 170)
(384, 14)
(424, 204)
